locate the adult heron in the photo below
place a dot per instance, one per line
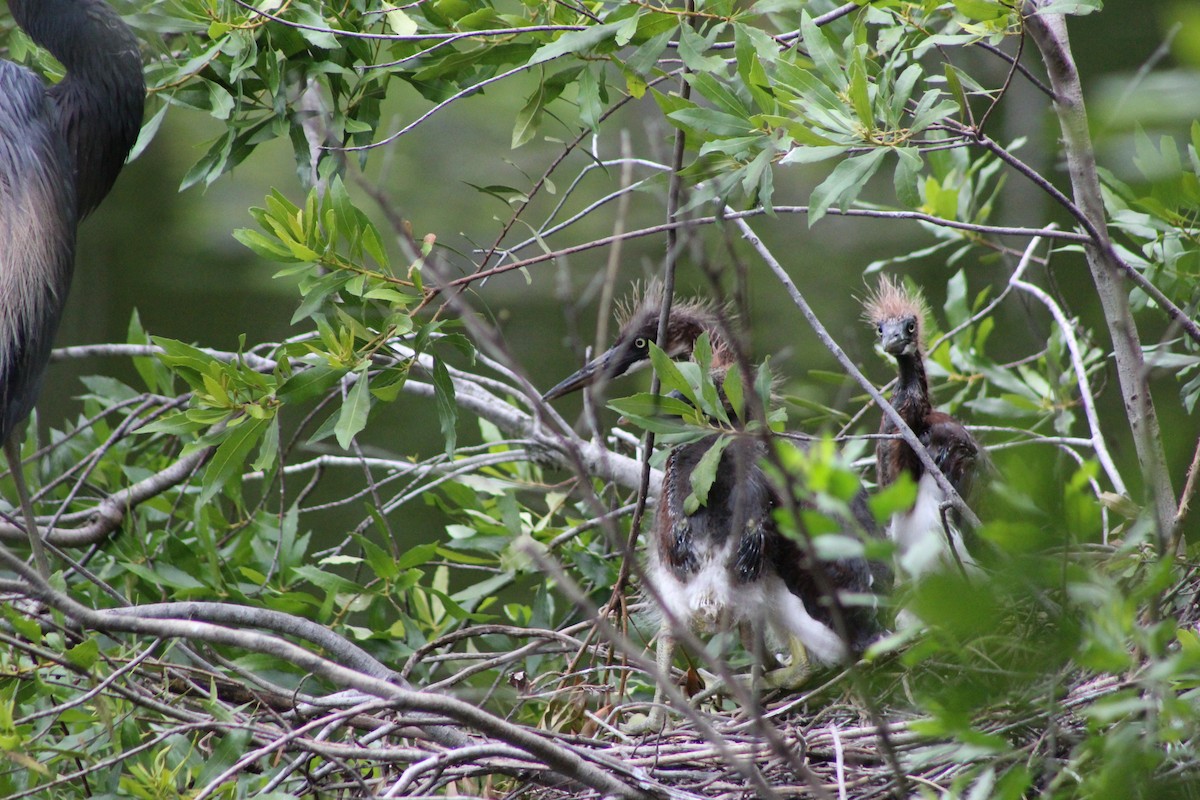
(61, 148)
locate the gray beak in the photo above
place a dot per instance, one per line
(608, 365)
(895, 338)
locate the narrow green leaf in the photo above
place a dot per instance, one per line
(691, 49)
(705, 473)
(230, 459)
(719, 93)
(443, 390)
(844, 184)
(645, 404)
(529, 117)
(270, 249)
(309, 383)
(821, 52)
(734, 393)
(591, 96)
(575, 42)
(860, 95)
(812, 154)
(709, 120)
(908, 173)
(354, 413)
(268, 452)
(84, 654)
(669, 376)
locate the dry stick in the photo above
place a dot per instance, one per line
(110, 513)
(1049, 32)
(747, 768)
(902, 427)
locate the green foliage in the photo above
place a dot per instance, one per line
(1067, 666)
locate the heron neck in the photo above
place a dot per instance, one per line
(100, 101)
(911, 397)
(88, 37)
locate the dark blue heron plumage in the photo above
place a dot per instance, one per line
(61, 148)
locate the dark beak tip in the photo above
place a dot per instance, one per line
(571, 384)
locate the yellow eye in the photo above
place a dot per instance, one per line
(639, 343)
(911, 327)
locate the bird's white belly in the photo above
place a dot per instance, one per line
(708, 597)
(919, 536)
(712, 598)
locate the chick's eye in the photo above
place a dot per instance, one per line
(879, 327)
(911, 327)
(639, 343)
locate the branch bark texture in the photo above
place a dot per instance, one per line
(1049, 33)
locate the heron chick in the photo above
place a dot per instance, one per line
(725, 562)
(924, 539)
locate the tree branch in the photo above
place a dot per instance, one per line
(1049, 32)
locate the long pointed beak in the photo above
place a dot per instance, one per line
(606, 366)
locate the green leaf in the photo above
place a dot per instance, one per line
(820, 51)
(649, 405)
(671, 378)
(811, 154)
(897, 496)
(270, 249)
(691, 49)
(354, 413)
(860, 96)
(309, 383)
(575, 42)
(844, 184)
(269, 451)
(734, 393)
(907, 175)
(230, 459)
(29, 628)
(709, 120)
(84, 654)
(705, 473)
(443, 392)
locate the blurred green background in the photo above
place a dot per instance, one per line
(171, 255)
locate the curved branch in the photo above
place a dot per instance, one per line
(108, 516)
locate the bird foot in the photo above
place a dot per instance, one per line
(788, 678)
(646, 724)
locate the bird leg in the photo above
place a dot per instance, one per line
(664, 656)
(12, 449)
(797, 671)
(944, 510)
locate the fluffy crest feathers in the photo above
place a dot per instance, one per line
(646, 300)
(891, 300)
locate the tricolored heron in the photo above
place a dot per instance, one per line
(898, 316)
(726, 562)
(60, 151)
